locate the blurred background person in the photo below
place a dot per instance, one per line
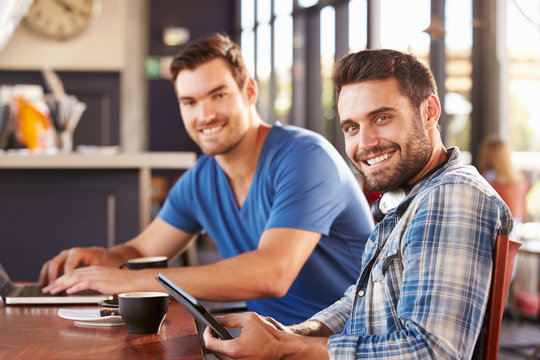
(495, 164)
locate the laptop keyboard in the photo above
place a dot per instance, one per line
(35, 291)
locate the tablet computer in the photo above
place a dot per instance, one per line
(194, 307)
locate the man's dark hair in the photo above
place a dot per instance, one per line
(415, 79)
(203, 50)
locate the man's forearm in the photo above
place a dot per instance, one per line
(265, 272)
(234, 279)
(242, 277)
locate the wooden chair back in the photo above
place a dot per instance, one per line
(503, 265)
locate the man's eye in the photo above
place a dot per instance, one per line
(350, 129)
(382, 118)
(188, 103)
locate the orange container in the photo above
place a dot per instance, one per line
(32, 125)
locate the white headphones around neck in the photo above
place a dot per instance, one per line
(390, 200)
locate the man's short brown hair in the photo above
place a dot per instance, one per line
(203, 50)
(414, 77)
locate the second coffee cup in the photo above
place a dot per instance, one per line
(146, 263)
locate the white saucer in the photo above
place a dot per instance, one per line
(90, 317)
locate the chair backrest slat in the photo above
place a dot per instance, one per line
(503, 264)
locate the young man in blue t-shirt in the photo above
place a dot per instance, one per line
(282, 206)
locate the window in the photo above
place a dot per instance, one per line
(327, 53)
(357, 25)
(523, 24)
(291, 46)
(405, 32)
(458, 84)
(283, 59)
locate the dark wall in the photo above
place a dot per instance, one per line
(167, 132)
(202, 18)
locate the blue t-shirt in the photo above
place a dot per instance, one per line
(300, 182)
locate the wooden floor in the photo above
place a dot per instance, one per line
(520, 339)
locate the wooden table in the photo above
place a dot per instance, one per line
(37, 332)
(531, 247)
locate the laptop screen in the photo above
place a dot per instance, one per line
(5, 284)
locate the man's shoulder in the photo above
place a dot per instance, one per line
(460, 185)
(456, 172)
(290, 132)
(297, 153)
(205, 165)
(297, 142)
(203, 162)
(466, 175)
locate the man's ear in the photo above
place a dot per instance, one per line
(251, 91)
(431, 111)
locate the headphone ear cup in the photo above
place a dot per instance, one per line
(376, 211)
(390, 200)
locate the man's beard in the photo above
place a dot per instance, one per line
(228, 143)
(222, 150)
(417, 151)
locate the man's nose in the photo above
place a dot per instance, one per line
(366, 137)
(206, 111)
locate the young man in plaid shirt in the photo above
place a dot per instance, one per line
(424, 282)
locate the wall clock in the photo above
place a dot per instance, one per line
(62, 19)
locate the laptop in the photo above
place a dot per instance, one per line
(30, 294)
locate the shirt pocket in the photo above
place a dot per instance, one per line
(385, 292)
(383, 263)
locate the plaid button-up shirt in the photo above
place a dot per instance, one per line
(426, 272)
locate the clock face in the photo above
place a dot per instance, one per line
(62, 19)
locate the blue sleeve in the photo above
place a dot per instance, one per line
(178, 209)
(312, 186)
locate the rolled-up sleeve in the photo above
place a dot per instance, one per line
(336, 315)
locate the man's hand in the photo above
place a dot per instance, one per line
(258, 338)
(263, 338)
(106, 280)
(278, 325)
(68, 260)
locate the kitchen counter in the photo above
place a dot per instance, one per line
(155, 160)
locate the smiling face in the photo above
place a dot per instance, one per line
(384, 135)
(215, 111)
